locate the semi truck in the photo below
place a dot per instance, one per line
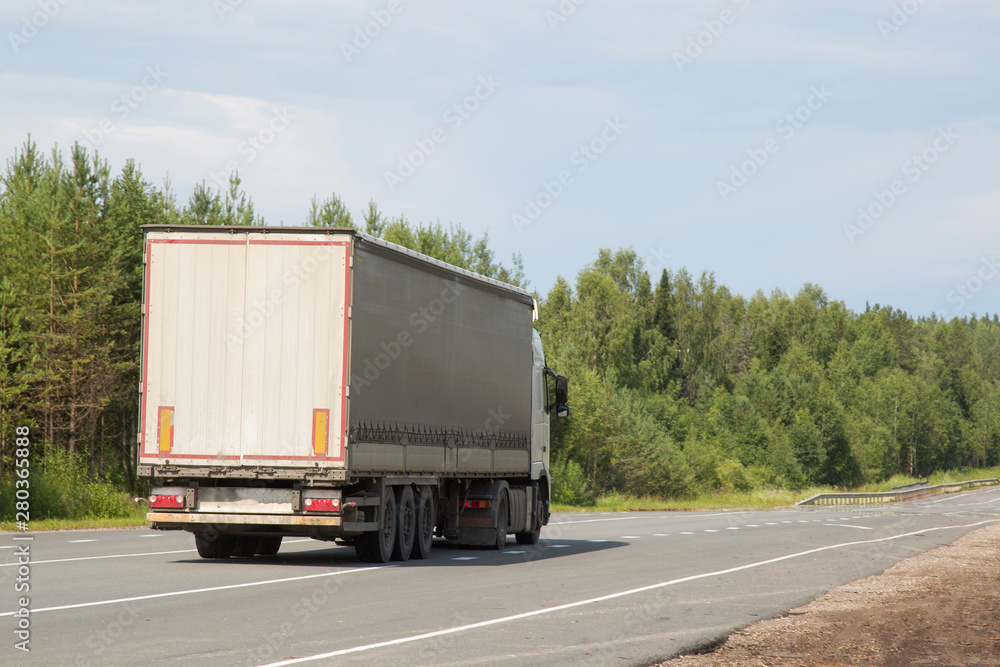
(328, 384)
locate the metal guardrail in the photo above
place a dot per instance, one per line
(915, 485)
(890, 496)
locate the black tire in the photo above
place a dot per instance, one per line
(269, 545)
(217, 546)
(406, 523)
(503, 520)
(245, 546)
(376, 546)
(423, 539)
(532, 536)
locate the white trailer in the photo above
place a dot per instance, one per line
(323, 383)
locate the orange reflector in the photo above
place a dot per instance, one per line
(321, 431)
(165, 428)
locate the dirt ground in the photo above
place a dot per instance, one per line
(939, 608)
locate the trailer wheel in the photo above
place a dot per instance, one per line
(406, 523)
(219, 546)
(245, 546)
(269, 545)
(503, 520)
(424, 538)
(376, 546)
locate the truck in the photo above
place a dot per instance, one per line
(323, 383)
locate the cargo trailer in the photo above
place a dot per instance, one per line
(324, 383)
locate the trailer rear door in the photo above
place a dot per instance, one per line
(244, 357)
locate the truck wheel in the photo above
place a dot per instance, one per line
(424, 537)
(269, 545)
(219, 546)
(503, 520)
(376, 546)
(406, 523)
(530, 536)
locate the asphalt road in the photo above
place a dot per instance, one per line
(601, 589)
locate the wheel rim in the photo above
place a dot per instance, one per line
(427, 521)
(388, 527)
(408, 517)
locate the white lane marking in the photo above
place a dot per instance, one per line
(959, 495)
(630, 537)
(68, 560)
(466, 558)
(986, 503)
(202, 590)
(753, 525)
(13, 546)
(733, 528)
(661, 534)
(603, 598)
(597, 541)
(787, 522)
(615, 518)
(846, 525)
(560, 546)
(711, 531)
(513, 551)
(79, 541)
(770, 523)
(803, 521)
(686, 533)
(655, 516)
(147, 553)
(151, 536)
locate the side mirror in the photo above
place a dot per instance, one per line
(562, 390)
(562, 394)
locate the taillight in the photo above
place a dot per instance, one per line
(167, 501)
(321, 504)
(477, 504)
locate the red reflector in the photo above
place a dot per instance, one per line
(168, 501)
(473, 504)
(321, 504)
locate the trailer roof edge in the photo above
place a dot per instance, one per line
(367, 238)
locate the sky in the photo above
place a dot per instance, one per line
(848, 144)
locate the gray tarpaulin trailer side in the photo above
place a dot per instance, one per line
(325, 383)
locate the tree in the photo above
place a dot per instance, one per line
(331, 212)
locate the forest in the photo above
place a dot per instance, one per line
(677, 385)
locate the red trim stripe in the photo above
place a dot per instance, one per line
(145, 348)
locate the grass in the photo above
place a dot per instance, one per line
(617, 502)
(80, 524)
(945, 477)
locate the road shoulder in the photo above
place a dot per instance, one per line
(939, 608)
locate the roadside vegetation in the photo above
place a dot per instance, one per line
(683, 394)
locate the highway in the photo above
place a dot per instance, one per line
(600, 589)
